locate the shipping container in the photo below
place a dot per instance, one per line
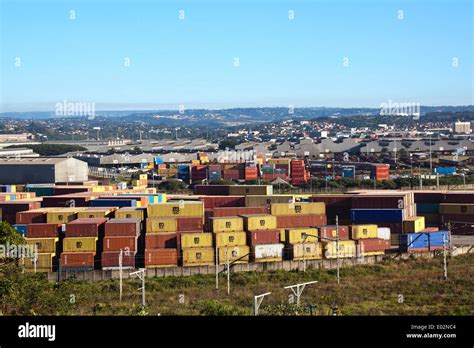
(161, 225)
(370, 245)
(427, 208)
(119, 203)
(311, 208)
(228, 239)
(259, 222)
(80, 244)
(31, 216)
(42, 263)
(43, 230)
(161, 258)
(162, 240)
(110, 259)
(234, 254)
(235, 211)
(264, 237)
(10, 209)
(456, 208)
(94, 213)
(43, 245)
(329, 231)
(411, 241)
(198, 257)
(123, 227)
(296, 221)
(414, 224)
(265, 200)
(86, 227)
(363, 231)
(347, 248)
(243, 190)
(383, 233)
(130, 213)
(211, 190)
(268, 252)
(126, 243)
(296, 235)
(22, 229)
(77, 261)
(176, 209)
(61, 216)
(226, 224)
(223, 201)
(196, 240)
(186, 224)
(377, 215)
(306, 251)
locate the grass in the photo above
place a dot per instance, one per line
(402, 287)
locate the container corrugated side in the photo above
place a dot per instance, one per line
(155, 258)
(415, 224)
(196, 240)
(198, 256)
(175, 209)
(363, 231)
(43, 245)
(161, 225)
(226, 224)
(456, 208)
(266, 200)
(299, 208)
(80, 244)
(306, 251)
(295, 235)
(268, 252)
(383, 233)
(234, 254)
(225, 239)
(347, 248)
(259, 222)
(44, 262)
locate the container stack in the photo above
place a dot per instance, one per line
(263, 237)
(215, 172)
(380, 172)
(81, 244)
(230, 239)
(197, 249)
(301, 247)
(121, 234)
(161, 242)
(44, 238)
(427, 240)
(299, 175)
(142, 181)
(300, 214)
(367, 240)
(251, 173)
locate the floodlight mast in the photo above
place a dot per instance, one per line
(257, 301)
(141, 275)
(297, 289)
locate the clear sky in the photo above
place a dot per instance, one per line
(191, 61)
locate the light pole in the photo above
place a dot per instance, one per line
(297, 289)
(257, 301)
(141, 275)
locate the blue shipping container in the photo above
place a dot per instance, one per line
(377, 215)
(438, 239)
(427, 241)
(427, 208)
(348, 172)
(113, 203)
(21, 229)
(158, 160)
(183, 168)
(445, 170)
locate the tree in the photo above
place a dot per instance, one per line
(8, 235)
(172, 186)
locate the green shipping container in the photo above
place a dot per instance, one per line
(427, 208)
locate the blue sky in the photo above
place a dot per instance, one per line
(190, 61)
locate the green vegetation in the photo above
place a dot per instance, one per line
(393, 287)
(172, 186)
(51, 149)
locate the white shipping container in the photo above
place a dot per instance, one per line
(268, 251)
(383, 233)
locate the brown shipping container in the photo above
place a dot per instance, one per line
(77, 259)
(115, 243)
(161, 257)
(43, 230)
(85, 227)
(428, 197)
(295, 221)
(223, 201)
(11, 208)
(329, 231)
(211, 190)
(162, 241)
(445, 218)
(263, 237)
(123, 227)
(378, 202)
(111, 259)
(65, 201)
(30, 217)
(373, 244)
(235, 211)
(185, 224)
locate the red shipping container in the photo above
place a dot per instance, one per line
(295, 221)
(223, 201)
(430, 229)
(189, 224)
(329, 231)
(161, 257)
(30, 217)
(123, 227)
(85, 227)
(263, 237)
(43, 230)
(115, 243)
(235, 211)
(11, 208)
(111, 259)
(162, 241)
(373, 244)
(77, 259)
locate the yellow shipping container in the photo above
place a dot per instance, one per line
(363, 231)
(303, 208)
(373, 253)
(62, 215)
(265, 200)
(456, 208)
(235, 254)
(172, 209)
(94, 213)
(347, 248)
(227, 239)
(72, 244)
(143, 177)
(282, 235)
(198, 257)
(44, 262)
(196, 240)
(295, 235)
(307, 251)
(242, 190)
(227, 224)
(414, 224)
(254, 222)
(130, 213)
(161, 225)
(43, 245)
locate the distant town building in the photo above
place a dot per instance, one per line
(17, 152)
(6, 138)
(462, 127)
